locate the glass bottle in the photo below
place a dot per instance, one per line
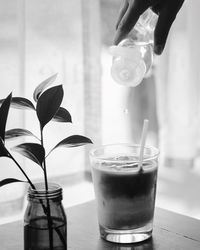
(133, 56)
(45, 224)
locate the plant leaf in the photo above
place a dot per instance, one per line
(62, 115)
(20, 103)
(4, 109)
(48, 104)
(33, 151)
(40, 88)
(3, 150)
(8, 181)
(73, 141)
(18, 132)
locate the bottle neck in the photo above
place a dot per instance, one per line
(143, 31)
(148, 20)
(54, 192)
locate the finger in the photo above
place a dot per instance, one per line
(122, 12)
(128, 22)
(166, 18)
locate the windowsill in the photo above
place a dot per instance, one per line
(75, 191)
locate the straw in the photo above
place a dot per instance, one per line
(143, 140)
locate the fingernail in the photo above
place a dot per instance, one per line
(119, 35)
(158, 49)
(117, 38)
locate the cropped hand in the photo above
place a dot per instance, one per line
(131, 11)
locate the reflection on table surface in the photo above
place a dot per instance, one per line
(146, 245)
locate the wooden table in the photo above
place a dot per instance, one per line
(171, 232)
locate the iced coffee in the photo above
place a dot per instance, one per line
(125, 192)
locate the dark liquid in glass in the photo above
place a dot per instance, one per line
(125, 198)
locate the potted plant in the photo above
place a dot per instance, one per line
(45, 219)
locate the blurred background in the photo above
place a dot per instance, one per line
(71, 38)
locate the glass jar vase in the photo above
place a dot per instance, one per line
(45, 224)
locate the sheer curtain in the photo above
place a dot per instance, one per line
(177, 85)
(39, 39)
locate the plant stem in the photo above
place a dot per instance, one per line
(50, 224)
(29, 181)
(44, 163)
(48, 212)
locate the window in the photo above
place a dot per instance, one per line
(38, 39)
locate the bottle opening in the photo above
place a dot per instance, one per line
(128, 73)
(54, 191)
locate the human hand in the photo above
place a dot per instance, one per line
(131, 11)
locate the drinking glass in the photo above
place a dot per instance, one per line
(125, 192)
